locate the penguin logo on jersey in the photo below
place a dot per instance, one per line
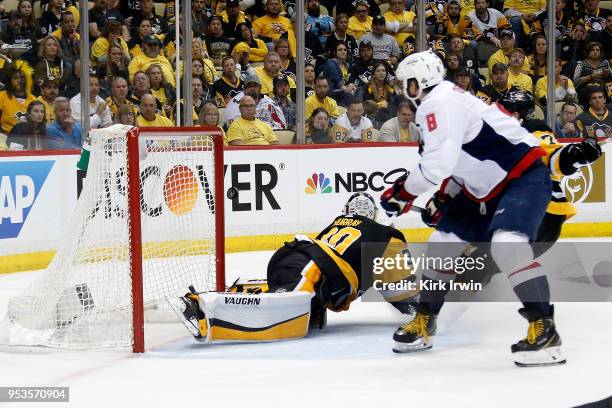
(19, 116)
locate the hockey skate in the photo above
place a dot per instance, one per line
(415, 335)
(188, 311)
(542, 346)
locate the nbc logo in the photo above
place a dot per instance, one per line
(318, 183)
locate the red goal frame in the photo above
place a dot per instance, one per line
(133, 174)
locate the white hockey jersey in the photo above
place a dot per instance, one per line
(469, 140)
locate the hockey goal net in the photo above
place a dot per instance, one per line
(148, 223)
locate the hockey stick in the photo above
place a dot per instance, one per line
(419, 210)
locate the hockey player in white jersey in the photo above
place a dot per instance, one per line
(493, 167)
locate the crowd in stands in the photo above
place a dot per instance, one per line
(243, 61)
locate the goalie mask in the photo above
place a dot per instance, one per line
(361, 204)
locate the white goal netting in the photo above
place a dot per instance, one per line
(84, 298)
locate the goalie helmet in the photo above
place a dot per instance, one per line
(361, 204)
(517, 101)
(425, 67)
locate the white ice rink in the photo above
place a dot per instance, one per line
(348, 364)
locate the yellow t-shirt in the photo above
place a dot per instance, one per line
(357, 28)
(273, 27)
(328, 104)
(541, 88)
(101, 45)
(521, 81)
(266, 82)
(58, 34)
(499, 56)
(251, 132)
(255, 54)
(525, 6)
(142, 62)
(159, 121)
(12, 109)
(49, 111)
(405, 17)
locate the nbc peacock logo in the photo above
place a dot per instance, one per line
(318, 183)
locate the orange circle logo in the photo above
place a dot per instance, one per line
(180, 190)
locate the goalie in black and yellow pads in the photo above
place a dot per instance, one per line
(305, 278)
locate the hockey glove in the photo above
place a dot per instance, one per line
(396, 200)
(436, 206)
(576, 155)
(591, 149)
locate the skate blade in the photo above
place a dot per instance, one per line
(177, 307)
(412, 347)
(541, 358)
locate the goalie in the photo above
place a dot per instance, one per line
(304, 278)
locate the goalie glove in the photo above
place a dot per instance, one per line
(396, 200)
(577, 155)
(436, 206)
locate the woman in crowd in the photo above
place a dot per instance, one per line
(111, 35)
(288, 66)
(30, 134)
(14, 99)
(51, 62)
(382, 93)
(125, 115)
(463, 79)
(537, 59)
(27, 13)
(135, 43)
(340, 34)
(593, 69)
(318, 127)
(336, 70)
(161, 90)
(116, 65)
(257, 47)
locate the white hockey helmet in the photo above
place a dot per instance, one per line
(425, 67)
(361, 204)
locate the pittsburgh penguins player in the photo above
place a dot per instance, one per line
(305, 277)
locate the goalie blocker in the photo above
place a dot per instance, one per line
(305, 277)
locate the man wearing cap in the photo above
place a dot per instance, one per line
(270, 70)
(266, 109)
(503, 55)
(231, 17)
(399, 21)
(247, 129)
(360, 23)
(385, 47)
(49, 91)
(363, 68)
(21, 42)
(217, 44)
(282, 99)
(151, 55)
(489, 22)
(229, 85)
(498, 87)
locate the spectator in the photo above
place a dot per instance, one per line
(64, 132)
(385, 47)
(229, 85)
(51, 62)
(270, 70)
(349, 7)
(596, 121)
(453, 65)
(49, 90)
(135, 44)
(209, 115)
(573, 47)
(14, 99)
(217, 44)
(203, 70)
(257, 48)
(317, 129)
(400, 22)
(232, 17)
(287, 62)
(25, 7)
(490, 23)
(516, 77)
(320, 99)
(272, 26)
(604, 37)
(267, 110)
(198, 103)
(209, 74)
(498, 86)
(593, 70)
(247, 129)
(151, 55)
(125, 115)
(564, 87)
(160, 89)
(199, 17)
(453, 22)
(118, 97)
(463, 79)
(340, 34)
(352, 126)
(565, 123)
(21, 39)
(99, 16)
(363, 68)
(99, 114)
(537, 60)
(149, 115)
(159, 25)
(309, 79)
(520, 13)
(361, 22)
(141, 86)
(111, 35)
(400, 128)
(50, 19)
(382, 93)
(69, 38)
(503, 55)
(116, 65)
(594, 16)
(282, 99)
(29, 133)
(321, 26)
(336, 70)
